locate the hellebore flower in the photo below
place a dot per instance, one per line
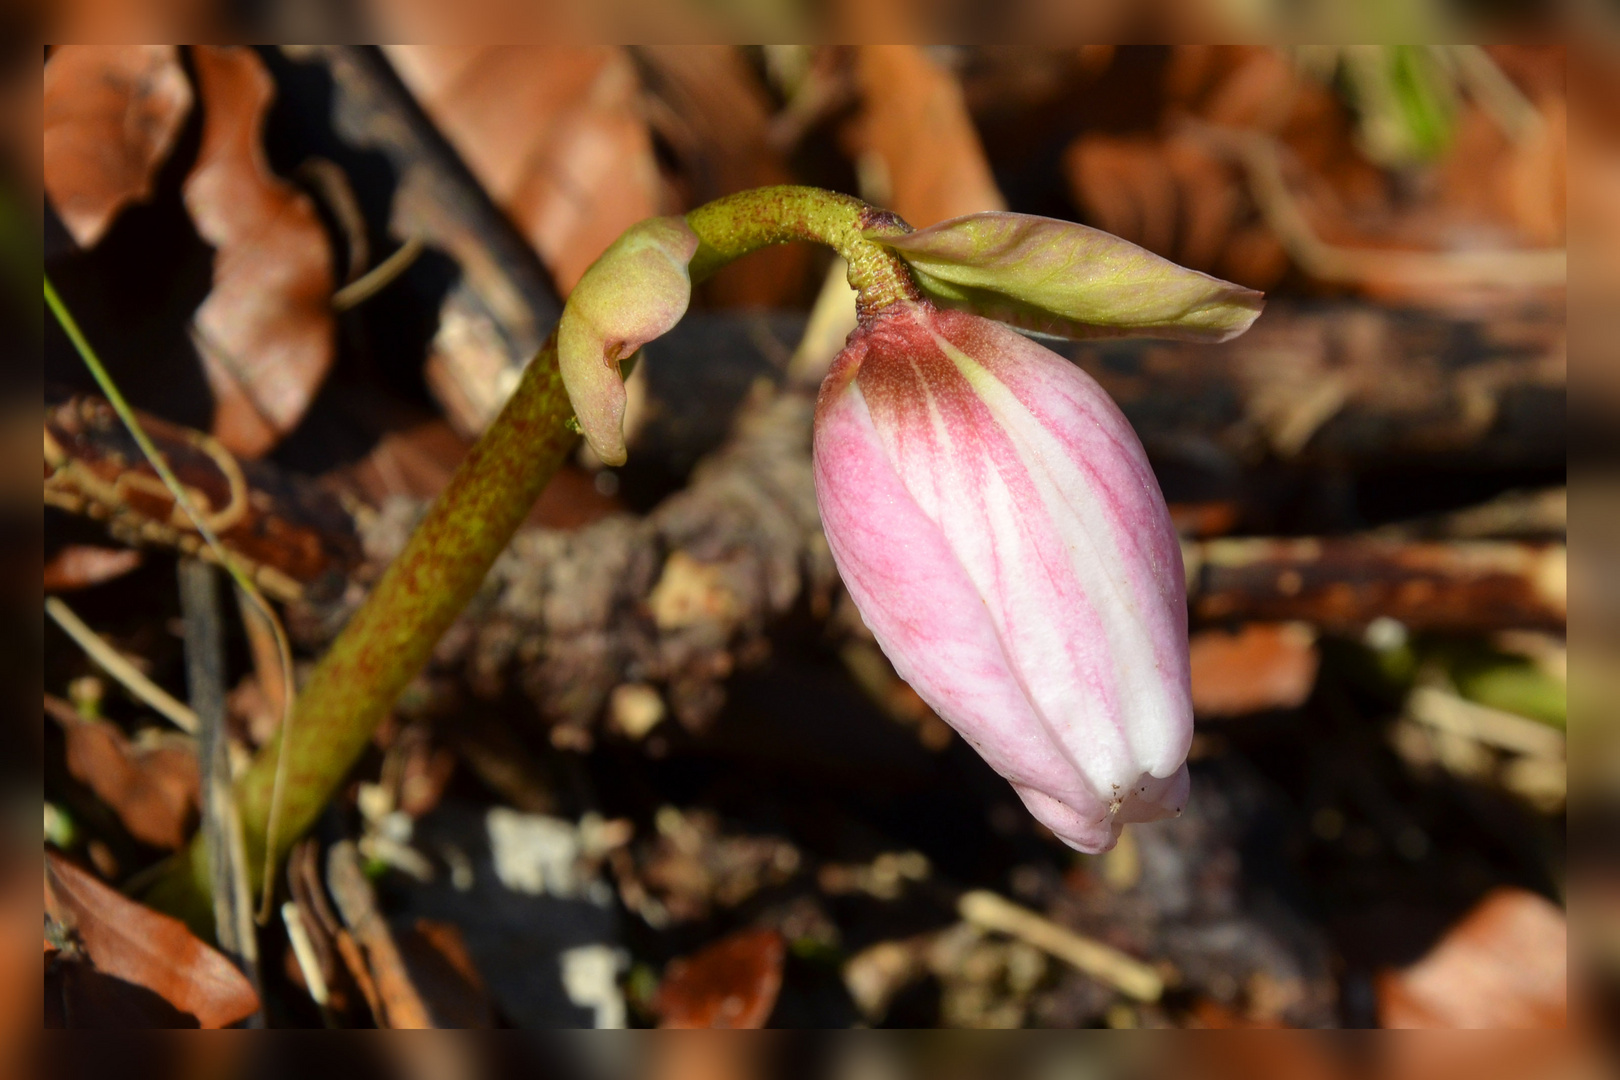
(989, 508)
(996, 522)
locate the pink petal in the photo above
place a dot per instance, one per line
(925, 612)
(998, 525)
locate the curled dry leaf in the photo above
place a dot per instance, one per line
(265, 331)
(112, 114)
(151, 784)
(732, 983)
(127, 941)
(555, 135)
(1504, 965)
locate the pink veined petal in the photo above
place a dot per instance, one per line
(930, 620)
(1063, 408)
(1046, 537)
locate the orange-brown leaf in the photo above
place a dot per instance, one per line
(732, 983)
(266, 329)
(153, 787)
(553, 133)
(1260, 666)
(133, 943)
(112, 114)
(1504, 965)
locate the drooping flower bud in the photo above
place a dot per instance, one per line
(634, 292)
(1068, 280)
(990, 510)
(997, 523)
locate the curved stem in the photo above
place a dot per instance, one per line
(731, 227)
(390, 637)
(388, 640)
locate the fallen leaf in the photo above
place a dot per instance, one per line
(732, 983)
(265, 331)
(79, 566)
(125, 941)
(1505, 964)
(554, 134)
(1259, 666)
(1201, 520)
(152, 785)
(1490, 180)
(915, 122)
(112, 115)
(1174, 198)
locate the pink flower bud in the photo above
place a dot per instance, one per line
(996, 521)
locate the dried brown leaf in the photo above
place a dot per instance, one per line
(1126, 187)
(1173, 197)
(1503, 965)
(554, 133)
(152, 785)
(1259, 666)
(732, 983)
(132, 943)
(112, 114)
(916, 122)
(266, 329)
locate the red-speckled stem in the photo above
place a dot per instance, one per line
(389, 639)
(731, 227)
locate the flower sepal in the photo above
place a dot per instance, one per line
(1066, 280)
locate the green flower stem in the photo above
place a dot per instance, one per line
(389, 639)
(731, 227)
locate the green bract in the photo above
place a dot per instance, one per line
(1055, 277)
(636, 291)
